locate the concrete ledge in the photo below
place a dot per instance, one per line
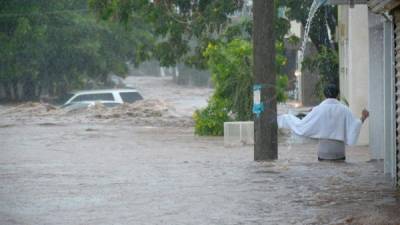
(242, 133)
(238, 133)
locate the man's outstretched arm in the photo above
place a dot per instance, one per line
(364, 115)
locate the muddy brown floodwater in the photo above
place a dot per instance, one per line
(74, 169)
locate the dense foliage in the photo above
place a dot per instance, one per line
(183, 28)
(324, 24)
(210, 120)
(49, 47)
(230, 61)
(326, 62)
(231, 65)
(322, 32)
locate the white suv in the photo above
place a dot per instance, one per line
(109, 97)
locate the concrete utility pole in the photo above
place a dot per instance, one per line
(265, 122)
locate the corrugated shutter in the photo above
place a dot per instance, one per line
(396, 14)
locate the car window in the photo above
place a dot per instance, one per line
(94, 97)
(130, 97)
(64, 98)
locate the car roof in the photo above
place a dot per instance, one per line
(98, 91)
(94, 101)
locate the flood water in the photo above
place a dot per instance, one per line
(60, 168)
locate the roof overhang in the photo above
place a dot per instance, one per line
(346, 2)
(351, 3)
(382, 6)
(376, 6)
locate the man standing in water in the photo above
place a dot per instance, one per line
(331, 122)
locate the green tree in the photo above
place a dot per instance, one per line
(230, 60)
(187, 29)
(231, 65)
(322, 32)
(55, 46)
(183, 28)
(324, 24)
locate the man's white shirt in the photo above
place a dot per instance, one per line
(329, 120)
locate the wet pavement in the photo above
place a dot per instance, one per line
(80, 173)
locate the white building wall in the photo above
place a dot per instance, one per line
(295, 29)
(389, 101)
(343, 41)
(376, 87)
(366, 60)
(342, 34)
(354, 67)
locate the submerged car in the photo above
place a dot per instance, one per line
(108, 97)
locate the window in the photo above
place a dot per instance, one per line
(64, 98)
(94, 97)
(130, 96)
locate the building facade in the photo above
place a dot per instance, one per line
(388, 35)
(369, 52)
(353, 40)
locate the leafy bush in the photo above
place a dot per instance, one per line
(232, 74)
(210, 120)
(230, 65)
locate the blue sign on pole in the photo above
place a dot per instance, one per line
(258, 106)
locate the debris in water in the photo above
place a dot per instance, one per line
(152, 112)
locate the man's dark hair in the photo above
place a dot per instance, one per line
(331, 91)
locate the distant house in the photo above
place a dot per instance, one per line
(369, 52)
